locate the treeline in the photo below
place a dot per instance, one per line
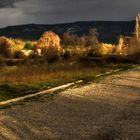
(48, 44)
(70, 46)
(89, 40)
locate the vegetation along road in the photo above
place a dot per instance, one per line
(106, 110)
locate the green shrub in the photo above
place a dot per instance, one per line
(29, 46)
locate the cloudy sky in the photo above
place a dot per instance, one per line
(13, 12)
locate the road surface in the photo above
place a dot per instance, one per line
(107, 110)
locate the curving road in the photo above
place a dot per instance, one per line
(107, 110)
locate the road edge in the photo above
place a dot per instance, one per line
(62, 87)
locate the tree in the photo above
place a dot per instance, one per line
(49, 44)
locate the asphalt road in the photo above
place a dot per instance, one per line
(107, 110)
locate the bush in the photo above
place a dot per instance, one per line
(106, 49)
(9, 46)
(5, 46)
(134, 46)
(49, 44)
(66, 55)
(29, 45)
(19, 54)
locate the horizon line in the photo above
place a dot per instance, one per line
(61, 23)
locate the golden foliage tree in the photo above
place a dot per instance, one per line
(49, 44)
(9, 46)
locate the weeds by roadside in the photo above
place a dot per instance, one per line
(17, 81)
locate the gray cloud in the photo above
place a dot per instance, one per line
(7, 3)
(54, 11)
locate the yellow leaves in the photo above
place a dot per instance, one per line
(106, 49)
(49, 39)
(12, 44)
(49, 44)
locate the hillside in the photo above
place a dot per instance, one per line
(108, 30)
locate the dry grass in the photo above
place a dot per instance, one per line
(17, 81)
(80, 58)
(21, 80)
(42, 73)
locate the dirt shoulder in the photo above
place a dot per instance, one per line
(107, 110)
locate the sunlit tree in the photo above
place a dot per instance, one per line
(49, 44)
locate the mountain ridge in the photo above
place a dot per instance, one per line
(109, 31)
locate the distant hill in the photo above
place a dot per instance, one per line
(108, 30)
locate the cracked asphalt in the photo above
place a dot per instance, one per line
(106, 110)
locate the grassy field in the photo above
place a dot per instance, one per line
(30, 66)
(16, 81)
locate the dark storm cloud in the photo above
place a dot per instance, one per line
(54, 11)
(73, 10)
(7, 3)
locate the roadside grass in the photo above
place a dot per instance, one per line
(17, 81)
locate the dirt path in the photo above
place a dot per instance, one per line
(108, 110)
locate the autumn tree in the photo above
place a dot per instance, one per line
(49, 44)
